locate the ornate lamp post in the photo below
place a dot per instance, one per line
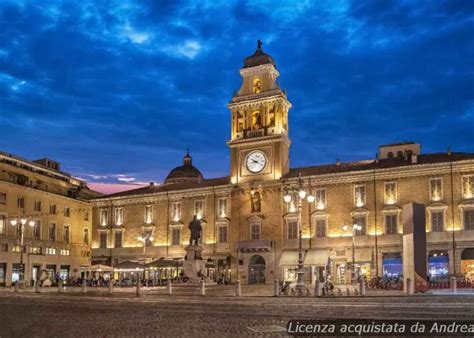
(301, 196)
(354, 229)
(21, 222)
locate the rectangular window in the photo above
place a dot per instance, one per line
(148, 214)
(86, 215)
(255, 231)
(50, 251)
(3, 198)
(85, 235)
(390, 193)
(292, 230)
(103, 240)
(3, 247)
(20, 202)
(118, 239)
(52, 209)
(176, 236)
(199, 209)
(321, 228)
(176, 216)
(391, 224)
(292, 205)
(320, 199)
(67, 212)
(118, 216)
(66, 233)
(223, 234)
(437, 221)
(360, 221)
(468, 186)
(222, 207)
(469, 219)
(436, 189)
(52, 232)
(35, 250)
(16, 249)
(64, 252)
(104, 217)
(3, 226)
(359, 196)
(37, 206)
(37, 231)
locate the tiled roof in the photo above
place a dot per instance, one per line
(150, 189)
(307, 171)
(378, 164)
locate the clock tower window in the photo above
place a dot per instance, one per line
(256, 120)
(257, 85)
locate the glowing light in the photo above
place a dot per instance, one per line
(23, 221)
(311, 198)
(302, 194)
(31, 223)
(13, 222)
(287, 198)
(320, 206)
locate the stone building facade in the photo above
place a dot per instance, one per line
(58, 220)
(251, 233)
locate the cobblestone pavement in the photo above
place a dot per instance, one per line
(187, 314)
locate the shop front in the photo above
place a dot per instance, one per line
(467, 263)
(438, 266)
(289, 264)
(160, 270)
(319, 264)
(359, 262)
(128, 273)
(392, 265)
(3, 274)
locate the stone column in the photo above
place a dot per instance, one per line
(238, 288)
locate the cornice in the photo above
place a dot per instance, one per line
(258, 141)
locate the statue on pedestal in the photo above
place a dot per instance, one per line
(195, 228)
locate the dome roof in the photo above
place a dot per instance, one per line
(258, 58)
(186, 173)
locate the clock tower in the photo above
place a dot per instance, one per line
(259, 144)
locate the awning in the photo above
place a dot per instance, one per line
(317, 257)
(361, 255)
(289, 258)
(97, 267)
(128, 266)
(165, 263)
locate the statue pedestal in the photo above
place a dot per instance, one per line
(193, 265)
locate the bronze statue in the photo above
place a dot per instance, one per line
(195, 228)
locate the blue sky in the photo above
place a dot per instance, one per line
(117, 90)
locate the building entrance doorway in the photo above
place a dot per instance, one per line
(257, 270)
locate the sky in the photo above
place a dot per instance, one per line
(117, 90)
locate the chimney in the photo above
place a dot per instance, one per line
(152, 184)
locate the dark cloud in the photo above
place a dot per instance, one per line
(124, 87)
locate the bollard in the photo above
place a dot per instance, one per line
(317, 289)
(37, 286)
(454, 286)
(60, 286)
(362, 287)
(202, 287)
(238, 288)
(138, 291)
(169, 287)
(16, 287)
(276, 288)
(410, 287)
(111, 285)
(84, 286)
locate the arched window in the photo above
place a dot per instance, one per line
(256, 120)
(390, 154)
(400, 154)
(257, 85)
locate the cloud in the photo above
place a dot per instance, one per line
(126, 86)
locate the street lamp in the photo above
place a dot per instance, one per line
(22, 223)
(354, 229)
(302, 196)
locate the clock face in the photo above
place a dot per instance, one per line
(256, 161)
